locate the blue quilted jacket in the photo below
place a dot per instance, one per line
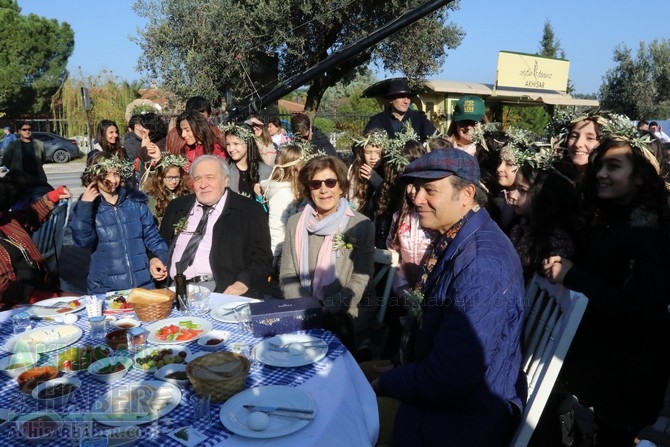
(465, 383)
(119, 237)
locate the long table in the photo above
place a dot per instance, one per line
(346, 407)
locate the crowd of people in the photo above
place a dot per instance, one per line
(473, 215)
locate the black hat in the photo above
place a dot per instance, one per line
(389, 88)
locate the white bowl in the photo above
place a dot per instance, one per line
(163, 372)
(125, 323)
(60, 399)
(223, 336)
(39, 427)
(95, 367)
(13, 365)
(159, 360)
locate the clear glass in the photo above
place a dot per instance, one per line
(243, 317)
(94, 305)
(98, 326)
(202, 415)
(198, 302)
(21, 322)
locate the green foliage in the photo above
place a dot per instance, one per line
(33, 56)
(109, 97)
(213, 47)
(533, 119)
(345, 97)
(325, 125)
(639, 87)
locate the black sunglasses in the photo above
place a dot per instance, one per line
(27, 130)
(316, 184)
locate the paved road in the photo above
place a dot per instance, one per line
(68, 174)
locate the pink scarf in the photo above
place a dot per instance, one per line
(324, 273)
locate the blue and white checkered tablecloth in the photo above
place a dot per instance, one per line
(155, 433)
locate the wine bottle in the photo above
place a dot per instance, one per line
(181, 303)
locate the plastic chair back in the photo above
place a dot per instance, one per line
(49, 237)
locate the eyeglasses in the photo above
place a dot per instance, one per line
(27, 130)
(316, 184)
(171, 178)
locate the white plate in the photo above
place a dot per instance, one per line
(234, 416)
(286, 359)
(110, 296)
(205, 326)
(224, 312)
(40, 311)
(42, 339)
(145, 392)
(151, 349)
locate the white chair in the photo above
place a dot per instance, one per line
(49, 237)
(554, 313)
(389, 261)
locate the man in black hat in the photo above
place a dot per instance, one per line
(398, 112)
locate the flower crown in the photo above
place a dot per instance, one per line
(479, 132)
(239, 131)
(395, 150)
(525, 151)
(168, 160)
(123, 167)
(559, 124)
(375, 138)
(307, 149)
(621, 128)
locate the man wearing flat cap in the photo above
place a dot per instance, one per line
(464, 385)
(394, 116)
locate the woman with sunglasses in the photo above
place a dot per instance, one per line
(329, 253)
(169, 182)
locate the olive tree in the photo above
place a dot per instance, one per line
(211, 48)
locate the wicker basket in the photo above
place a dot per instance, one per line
(153, 311)
(221, 388)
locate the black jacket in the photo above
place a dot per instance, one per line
(321, 141)
(386, 121)
(240, 244)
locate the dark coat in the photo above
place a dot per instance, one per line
(386, 121)
(120, 236)
(240, 244)
(321, 142)
(619, 360)
(467, 371)
(13, 158)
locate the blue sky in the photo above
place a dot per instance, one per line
(588, 31)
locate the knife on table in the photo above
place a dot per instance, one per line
(282, 411)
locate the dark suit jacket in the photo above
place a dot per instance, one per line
(240, 244)
(384, 120)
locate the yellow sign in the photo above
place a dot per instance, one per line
(529, 71)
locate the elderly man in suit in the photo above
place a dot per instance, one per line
(218, 238)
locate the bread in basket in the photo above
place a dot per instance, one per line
(151, 305)
(220, 374)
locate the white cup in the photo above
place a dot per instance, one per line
(94, 305)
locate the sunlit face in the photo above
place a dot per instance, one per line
(273, 130)
(372, 155)
(615, 176)
(583, 138)
(172, 178)
(209, 183)
(325, 199)
(236, 148)
(439, 205)
(110, 183)
(410, 190)
(258, 129)
(112, 135)
(506, 173)
(519, 197)
(187, 133)
(463, 132)
(400, 104)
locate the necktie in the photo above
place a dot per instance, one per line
(188, 256)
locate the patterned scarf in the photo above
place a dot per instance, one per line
(440, 246)
(324, 273)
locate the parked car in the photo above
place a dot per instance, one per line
(57, 148)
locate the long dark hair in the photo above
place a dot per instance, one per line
(201, 131)
(101, 137)
(391, 194)
(253, 156)
(554, 204)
